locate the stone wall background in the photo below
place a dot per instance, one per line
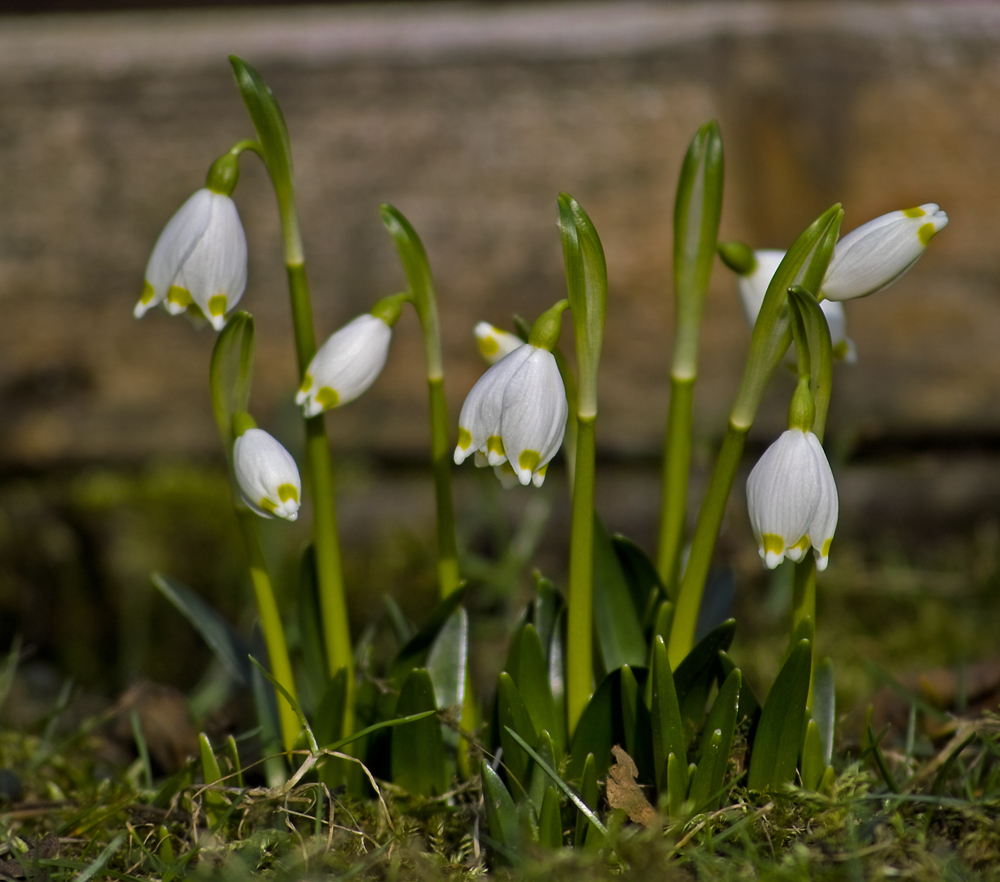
(471, 119)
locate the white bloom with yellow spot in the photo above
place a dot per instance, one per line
(753, 287)
(494, 343)
(267, 475)
(345, 365)
(515, 416)
(200, 258)
(877, 253)
(792, 500)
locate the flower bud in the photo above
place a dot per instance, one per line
(267, 475)
(200, 259)
(493, 343)
(877, 253)
(792, 500)
(345, 365)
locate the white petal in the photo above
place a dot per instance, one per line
(506, 475)
(346, 365)
(824, 522)
(753, 286)
(215, 272)
(534, 414)
(494, 343)
(480, 416)
(172, 248)
(783, 494)
(877, 253)
(265, 471)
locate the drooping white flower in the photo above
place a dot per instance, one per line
(494, 343)
(792, 500)
(267, 475)
(345, 365)
(877, 253)
(515, 415)
(753, 286)
(200, 258)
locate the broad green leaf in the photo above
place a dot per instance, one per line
(589, 795)
(414, 653)
(779, 733)
(447, 662)
(619, 634)
(749, 703)
(501, 815)
(550, 833)
(813, 766)
(526, 666)
(209, 764)
(663, 620)
(824, 706)
(513, 714)
(328, 724)
(644, 584)
(667, 724)
(699, 670)
(231, 374)
(629, 707)
(418, 762)
(557, 677)
(545, 608)
(678, 780)
(539, 779)
(229, 648)
(310, 636)
(707, 792)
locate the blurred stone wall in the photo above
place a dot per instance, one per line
(471, 119)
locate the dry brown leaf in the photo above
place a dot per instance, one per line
(624, 793)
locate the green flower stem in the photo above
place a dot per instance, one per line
(448, 575)
(579, 646)
(270, 620)
(676, 464)
(703, 544)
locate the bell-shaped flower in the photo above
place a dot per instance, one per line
(267, 475)
(494, 343)
(792, 500)
(345, 365)
(877, 253)
(515, 416)
(753, 286)
(200, 259)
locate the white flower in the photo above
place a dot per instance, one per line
(753, 287)
(877, 253)
(267, 475)
(345, 365)
(493, 343)
(200, 257)
(515, 414)
(792, 500)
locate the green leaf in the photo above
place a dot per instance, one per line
(209, 764)
(418, 762)
(809, 323)
(629, 707)
(644, 584)
(678, 780)
(557, 677)
(303, 722)
(824, 706)
(779, 733)
(550, 833)
(879, 757)
(539, 778)
(231, 374)
(589, 796)
(941, 778)
(545, 608)
(229, 648)
(269, 123)
(501, 815)
(713, 759)
(619, 634)
(414, 260)
(667, 724)
(328, 725)
(699, 670)
(414, 653)
(447, 662)
(749, 703)
(232, 751)
(310, 636)
(526, 666)
(813, 766)
(512, 714)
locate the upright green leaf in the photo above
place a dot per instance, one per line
(545, 608)
(229, 648)
(418, 761)
(550, 833)
(667, 724)
(749, 703)
(629, 707)
(328, 724)
(540, 780)
(677, 783)
(527, 667)
(414, 653)
(310, 635)
(699, 670)
(619, 632)
(501, 815)
(813, 766)
(447, 662)
(644, 584)
(589, 794)
(824, 706)
(512, 712)
(557, 677)
(779, 733)
(716, 745)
